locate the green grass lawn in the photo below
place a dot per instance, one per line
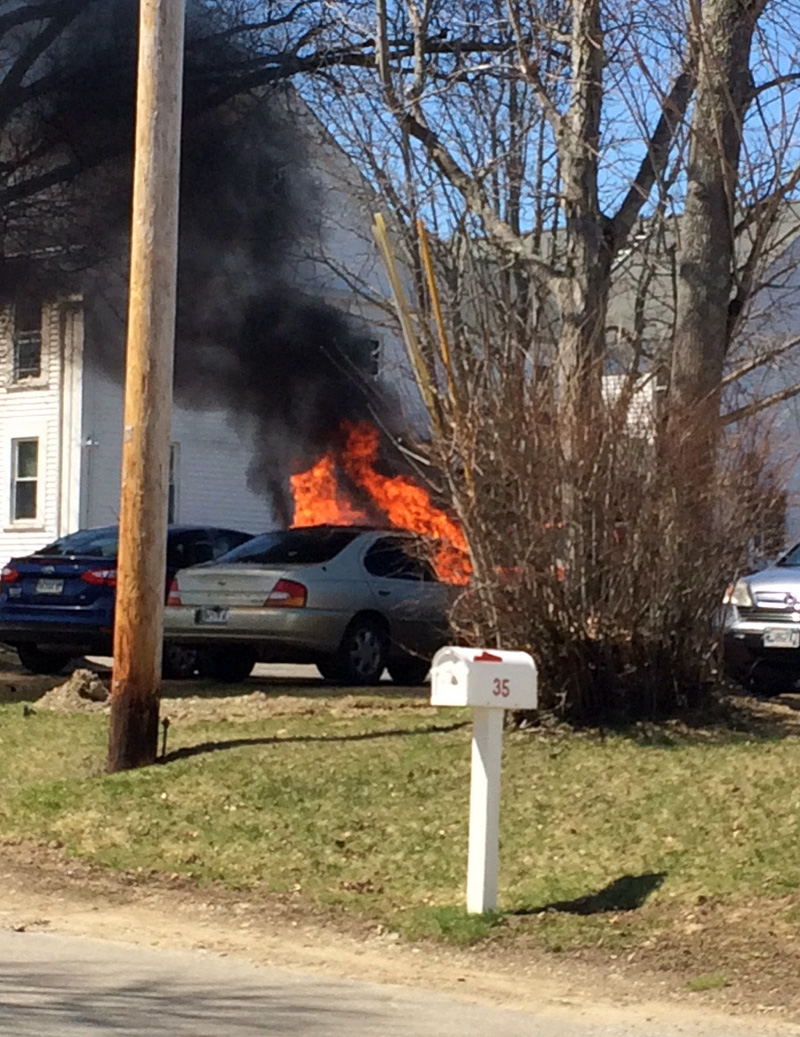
(368, 813)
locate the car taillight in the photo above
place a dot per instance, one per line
(287, 594)
(174, 596)
(100, 577)
(8, 575)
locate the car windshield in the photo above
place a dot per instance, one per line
(94, 543)
(292, 547)
(791, 557)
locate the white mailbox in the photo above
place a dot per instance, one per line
(490, 681)
(483, 677)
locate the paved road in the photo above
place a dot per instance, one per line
(54, 986)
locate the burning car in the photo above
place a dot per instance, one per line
(354, 600)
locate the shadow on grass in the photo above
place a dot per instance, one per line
(628, 893)
(364, 736)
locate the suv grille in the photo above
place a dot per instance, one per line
(768, 615)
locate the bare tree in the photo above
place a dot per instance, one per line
(578, 164)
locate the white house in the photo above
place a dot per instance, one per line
(61, 409)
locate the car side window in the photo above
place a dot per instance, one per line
(222, 542)
(390, 559)
(180, 551)
(203, 551)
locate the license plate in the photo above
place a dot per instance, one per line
(213, 617)
(49, 586)
(781, 638)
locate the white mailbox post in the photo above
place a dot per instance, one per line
(491, 682)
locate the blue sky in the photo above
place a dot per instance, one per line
(644, 45)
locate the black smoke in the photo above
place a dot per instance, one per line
(250, 338)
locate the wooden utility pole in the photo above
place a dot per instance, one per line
(141, 563)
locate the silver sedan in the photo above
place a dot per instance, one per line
(351, 599)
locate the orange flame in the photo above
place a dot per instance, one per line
(318, 499)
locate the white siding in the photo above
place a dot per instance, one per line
(641, 419)
(101, 444)
(212, 464)
(212, 480)
(38, 410)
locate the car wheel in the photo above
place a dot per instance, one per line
(410, 671)
(179, 663)
(37, 661)
(231, 665)
(361, 658)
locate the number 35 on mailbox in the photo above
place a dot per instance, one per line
(482, 677)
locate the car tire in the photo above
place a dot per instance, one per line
(37, 661)
(329, 670)
(361, 658)
(229, 665)
(179, 662)
(410, 671)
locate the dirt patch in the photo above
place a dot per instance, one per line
(17, 685)
(751, 949)
(276, 691)
(82, 692)
(263, 704)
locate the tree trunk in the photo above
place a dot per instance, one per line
(582, 292)
(583, 289)
(723, 32)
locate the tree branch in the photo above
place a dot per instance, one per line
(746, 274)
(26, 13)
(467, 185)
(654, 163)
(15, 74)
(772, 84)
(29, 188)
(758, 361)
(531, 72)
(751, 409)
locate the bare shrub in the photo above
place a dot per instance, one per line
(601, 545)
(615, 585)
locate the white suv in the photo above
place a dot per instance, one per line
(762, 627)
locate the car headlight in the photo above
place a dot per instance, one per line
(739, 594)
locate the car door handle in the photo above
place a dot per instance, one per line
(384, 594)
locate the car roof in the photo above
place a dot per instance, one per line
(199, 527)
(330, 526)
(183, 527)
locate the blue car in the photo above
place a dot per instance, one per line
(57, 604)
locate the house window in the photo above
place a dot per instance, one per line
(374, 358)
(24, 479)
(366, 356)
(27, 341)
(172, 498)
